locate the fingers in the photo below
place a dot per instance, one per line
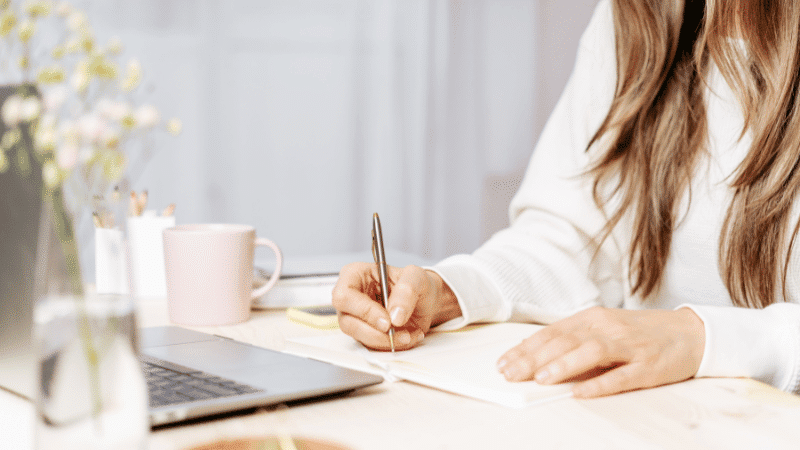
(523, 361)
(589, 356)
(564, 350)
(609, 351)
(569, 325)
(562, 359)
(406, 293)
(362, 315)
(526, 361)
(621, 379)
(353, 295)
(404, 338)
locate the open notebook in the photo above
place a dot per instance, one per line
(461, 361)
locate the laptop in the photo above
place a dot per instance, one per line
(192, 375)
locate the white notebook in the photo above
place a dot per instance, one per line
(461, 361)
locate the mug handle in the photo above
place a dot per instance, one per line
(260, 291)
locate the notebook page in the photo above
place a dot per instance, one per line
(461, 361)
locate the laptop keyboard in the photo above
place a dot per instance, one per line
(170, 383)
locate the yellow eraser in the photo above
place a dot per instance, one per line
(314, 316)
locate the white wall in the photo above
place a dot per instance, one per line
(303, 117)
(562, 23)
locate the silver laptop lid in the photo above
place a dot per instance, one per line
(277, 377)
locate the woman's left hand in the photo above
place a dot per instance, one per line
(610, 351)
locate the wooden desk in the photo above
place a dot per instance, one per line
(701, 413)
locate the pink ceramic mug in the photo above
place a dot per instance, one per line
(209, 271)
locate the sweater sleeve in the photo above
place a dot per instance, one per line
(763, 344)
(547, 264)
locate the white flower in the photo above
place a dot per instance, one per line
(64, 9)
(54, 98)
(45, 138)
(147, 116)
(77, 20)
(50, 174)
(174, 126)
(111, 138)
(80, 79)
(112, 110)
(73, 45)
(12, 111)
(91, 127)
(48, 120)
(26, 30)
(10, 138)
(85, 154)
(30, 109)
(103, 106)
(114, 46)
(132, 76)
(69, 132)
(67, 156)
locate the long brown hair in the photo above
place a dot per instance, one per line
(657, 131)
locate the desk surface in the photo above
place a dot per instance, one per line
(700, 413)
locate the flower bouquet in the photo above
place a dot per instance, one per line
(73, 127)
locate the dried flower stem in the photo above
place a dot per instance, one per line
(69, 248)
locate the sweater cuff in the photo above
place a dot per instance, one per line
(479, 299)
(762, 344)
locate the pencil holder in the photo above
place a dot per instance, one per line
(111, 276)
(147, 253)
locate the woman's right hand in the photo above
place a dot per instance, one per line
(418, 299)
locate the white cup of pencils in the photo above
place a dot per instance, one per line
(145, 233)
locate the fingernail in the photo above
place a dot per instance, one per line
(383, 325)
(396, 314)
(542, 375)
(404, 339)
(511, 372)
(502, 363)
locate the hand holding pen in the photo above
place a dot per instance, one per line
(417, 299)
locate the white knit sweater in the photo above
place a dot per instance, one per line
(541, 268)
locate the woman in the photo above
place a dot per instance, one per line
(657, 215)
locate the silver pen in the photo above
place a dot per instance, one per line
(380, 261)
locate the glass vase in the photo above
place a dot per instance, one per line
(91, 392)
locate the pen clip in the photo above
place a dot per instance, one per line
(374, 254)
